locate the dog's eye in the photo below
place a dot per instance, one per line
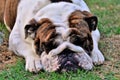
(85, 42)
(77, 40)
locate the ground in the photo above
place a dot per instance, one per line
(111, 51)
(6, 57)
(108, 12)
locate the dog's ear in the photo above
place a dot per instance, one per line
(31, 28)
(38, 47)
(91, 20)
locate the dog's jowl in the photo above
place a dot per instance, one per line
(59, 36)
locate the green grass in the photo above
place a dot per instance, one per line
(108, 12)
(18, 72)
(4, 30)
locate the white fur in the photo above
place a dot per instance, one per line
(82, 4)
(85, 61)
(66, 45)
(17, 43)
(96, 56)
(57, 13)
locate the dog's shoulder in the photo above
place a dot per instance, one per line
(25, 8)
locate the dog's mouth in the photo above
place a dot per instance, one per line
(68, 61)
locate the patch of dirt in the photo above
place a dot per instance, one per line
(111, 50)
(6, 57)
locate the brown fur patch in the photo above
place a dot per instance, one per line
(10, 12)
(2, 8)
(45, 31)
(45, 34)
(76, 20)
(80, 32)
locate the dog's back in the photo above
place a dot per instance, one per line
(8, 11)
(2, 8)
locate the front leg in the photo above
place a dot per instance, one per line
(96, 55)
(24, 49)
(33, 63)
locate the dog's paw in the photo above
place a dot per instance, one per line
(97, 57)
(85, 61)
(33, 64)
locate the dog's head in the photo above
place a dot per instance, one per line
(64, 42)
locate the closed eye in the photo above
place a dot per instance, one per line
(51, 44)
(77, 40)
(84, 42)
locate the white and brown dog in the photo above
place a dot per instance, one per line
(56, 36)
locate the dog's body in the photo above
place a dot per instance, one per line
(2, 8)
(8, 12)
(52, 31)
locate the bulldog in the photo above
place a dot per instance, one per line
(58, 36)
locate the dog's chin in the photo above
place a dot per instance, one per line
(65, 61)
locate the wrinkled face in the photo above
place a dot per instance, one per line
(60, 48)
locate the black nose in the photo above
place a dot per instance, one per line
(69, 66)
(67, 61)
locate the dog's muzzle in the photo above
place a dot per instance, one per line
(68, 61)
(70, 58)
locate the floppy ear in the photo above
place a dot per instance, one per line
(92, 22)
(31, 28)
(38, 47)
